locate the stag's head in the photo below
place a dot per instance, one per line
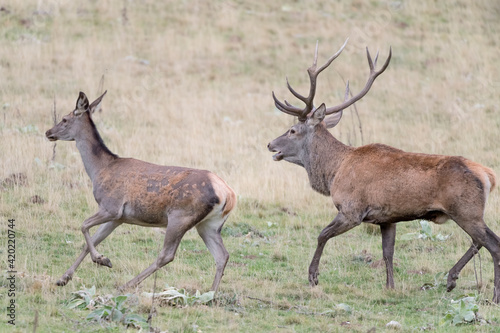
(72, 123)
(291, 146)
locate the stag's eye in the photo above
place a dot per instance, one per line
(292, 131)
(64, 120)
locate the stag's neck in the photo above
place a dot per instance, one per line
(95, 155)
(323, 159)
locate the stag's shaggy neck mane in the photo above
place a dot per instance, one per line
(323, 157)
(95, 154)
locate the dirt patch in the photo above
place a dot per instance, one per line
(15, 179)
(36, 199)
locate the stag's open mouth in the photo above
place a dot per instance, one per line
(278, 156)
(51, 137)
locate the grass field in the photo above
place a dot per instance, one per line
(189, 83)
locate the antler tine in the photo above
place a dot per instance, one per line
(295, 93)
(313, 72)
(288, 108)
(333, 57)
(376, 58)
(346, 96)
(370, 62)
(373, 75)
(333, 119)
(315, 62)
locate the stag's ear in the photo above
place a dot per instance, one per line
(317, 116)
(96, 105)
(333, 120)
(82, 104)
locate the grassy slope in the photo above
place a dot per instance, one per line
(189, 84)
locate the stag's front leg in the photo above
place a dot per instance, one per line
(339, 225)
(99, 218)
(103, 232)
(388, 239)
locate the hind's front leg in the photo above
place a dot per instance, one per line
(103, 232)
(103, 261)
(99, 218)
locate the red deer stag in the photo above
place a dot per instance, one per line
(383, 185)
(136, 192)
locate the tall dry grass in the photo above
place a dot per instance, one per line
(189, 83)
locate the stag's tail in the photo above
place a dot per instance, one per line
(492, 178)
(486, 176)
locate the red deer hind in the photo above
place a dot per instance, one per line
(383, 185)
(136, 192)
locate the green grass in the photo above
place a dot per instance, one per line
(265, 287)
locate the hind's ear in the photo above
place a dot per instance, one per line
(96, 105)
(82, 104)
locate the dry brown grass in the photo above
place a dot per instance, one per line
(190, 83)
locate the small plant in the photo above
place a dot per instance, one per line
(82, 299)
(172, 296)
(424, 233)
(106, 308)
(440, 279)
(115, 310)
(463, 311)
(339, 307)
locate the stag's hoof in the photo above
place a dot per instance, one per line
(103, 261)
(63, 280)
(123, 288)
(451, 284)
(126, 286)
(313, 278)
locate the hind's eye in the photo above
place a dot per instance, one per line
(64, 120)
(292, 131)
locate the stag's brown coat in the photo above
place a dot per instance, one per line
(383, 185)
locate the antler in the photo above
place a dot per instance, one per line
(313, 73)
(368, 85)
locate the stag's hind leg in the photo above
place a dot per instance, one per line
(209, 230)
(388, 239)
(103, 232)
(483, 236)
(339, 225)
(455, 270)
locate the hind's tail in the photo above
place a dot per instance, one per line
(225, 194)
